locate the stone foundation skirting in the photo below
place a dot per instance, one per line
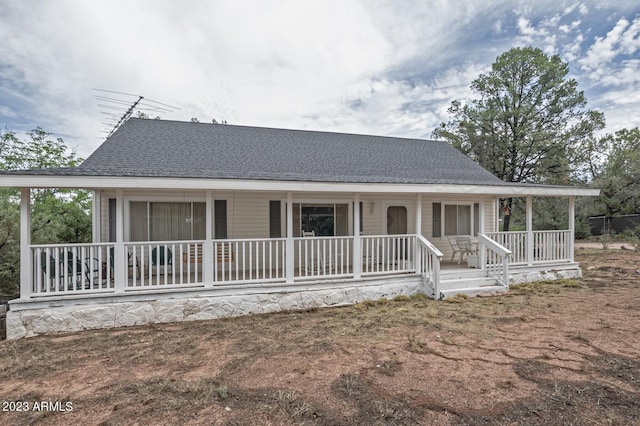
(32, 318)
(528, 276)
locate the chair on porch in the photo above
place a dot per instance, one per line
(463, 245)
(129, 262)
(71, 269)
(162, 256)
(310, 265)
(49, 274)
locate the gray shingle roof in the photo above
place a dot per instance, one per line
(161, 148)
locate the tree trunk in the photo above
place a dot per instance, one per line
(506, 210)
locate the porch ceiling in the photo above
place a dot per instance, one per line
(112, 182)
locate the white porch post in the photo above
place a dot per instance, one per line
(357, 241)
(481, 252)
(289, 248)
(96, 217)
(529, 231)
(572, 226)
(416, 256)
(120, 260)
(207, 250)
(26, 270)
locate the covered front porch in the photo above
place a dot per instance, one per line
(293, 254)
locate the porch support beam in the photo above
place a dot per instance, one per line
(289, 247)
(416, 257)
(357, 241)
(96, 217)
(481, 252)
(529, 231)
(207, 250)
(26, 269)
(572, 227)
(120, 259)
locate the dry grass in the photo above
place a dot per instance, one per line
(546, 353)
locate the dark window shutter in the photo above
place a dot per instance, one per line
(112, 220)
(275, 222)
(220, 219)
(437, 220)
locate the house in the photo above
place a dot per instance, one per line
(197, 221)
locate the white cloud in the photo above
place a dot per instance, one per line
(6, 111)
(254, 68)
(627, 75)
(583, 9)
(603, 50)
(369, 66)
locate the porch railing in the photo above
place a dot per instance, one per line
(323, 256)
(428, 264)
(246, 260)
(546, 246)
(180, 263)
(60, 269)
(384, 254)
(549, 246)
(163, 263)
(496, 258)
(72, 269)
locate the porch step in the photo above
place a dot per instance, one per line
(471, 283)
(459, 274)
(474, 291)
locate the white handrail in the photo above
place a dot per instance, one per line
(429, 263)
(497, 259)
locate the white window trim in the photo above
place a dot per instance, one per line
(167, 199)
(443, 218)
(326, 202)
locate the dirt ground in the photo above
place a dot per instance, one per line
(546, 353)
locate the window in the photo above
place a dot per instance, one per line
(164, 221)
(324, 219)
(459, 219)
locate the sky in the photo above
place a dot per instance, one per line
(373, 67)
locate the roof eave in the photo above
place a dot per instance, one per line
(128, 182)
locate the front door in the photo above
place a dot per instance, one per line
(396, 220)
(397, 224)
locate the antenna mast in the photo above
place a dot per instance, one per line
(120, 107)
(126, 115)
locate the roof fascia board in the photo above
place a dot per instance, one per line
(99, 182)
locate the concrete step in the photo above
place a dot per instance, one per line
(473, 291)
(450, 284)
(472, 283)
(457, 274)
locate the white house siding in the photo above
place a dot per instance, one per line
(374, 212)
(442, 243)
(248, 212)
(104, 214)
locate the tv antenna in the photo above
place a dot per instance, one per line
(119, 106)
